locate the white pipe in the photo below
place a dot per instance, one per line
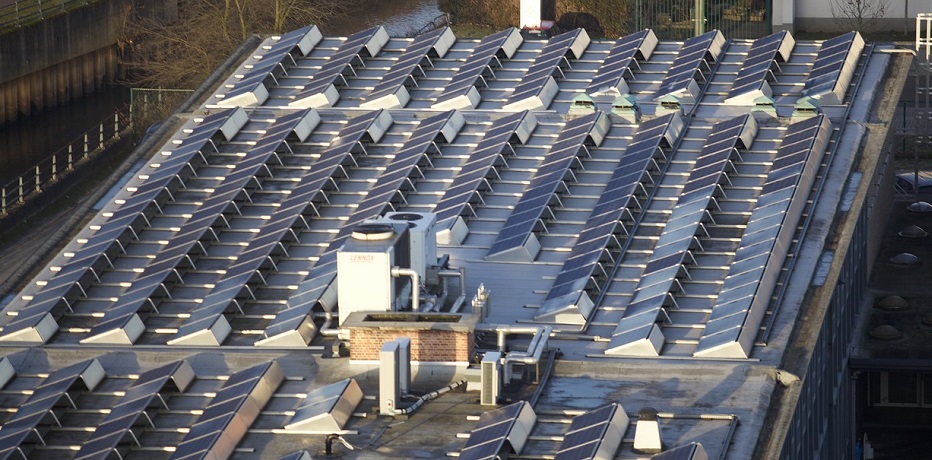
(541, 334)
(458, 303)
(415, 284)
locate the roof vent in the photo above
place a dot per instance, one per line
(913, 231)
(893, 303)
(373, 232)
(920, 207)
(904, 259)
(626, 106)
(582, 104)
(406, 216)
(886, 332)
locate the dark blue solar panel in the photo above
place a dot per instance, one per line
(829, 63)
(492, 430)
(50, 297)
(756, 257)
(757, 66)
(586, 433)
(332, 70)
(550, 58)
(228, 416)
(481, 58)
(603, 223)
(277, 54)
(677, 238)
(406, 64)
(196, 229)
(696, 52)
(544, 184)
(480, 163)
(619, 60)
(124, 414)
(28, 416)
(284, 218)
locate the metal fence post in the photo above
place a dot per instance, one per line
(86, 142)
(38, 178)
(54, 166)
(70, 156)
(20, 189)
(100, 141)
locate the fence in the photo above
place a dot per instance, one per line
(24, 13)
(61, 163)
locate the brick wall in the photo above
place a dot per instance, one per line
(426, 345)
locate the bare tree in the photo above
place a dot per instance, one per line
(182, 54)
(860, 15)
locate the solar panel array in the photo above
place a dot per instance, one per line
(207, 323)
(417, 55)
(38, 408)
(390, 184)
(513, 240)
(741, 304)
(538, 86)
(193, 235)
(466, 188)
(764, 56)
(135, 402)
(231, 412)
(33, 321)
(637, 332)
(599, 240)
(276, 55)
(625, 54)
(693, 61)
(495, 428)
(594, 434)
(321, 91)
(461, 92)
(833, 68)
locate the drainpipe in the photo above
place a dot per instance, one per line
(415, 284)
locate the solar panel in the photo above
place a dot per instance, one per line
(465, 187)
(115, 326)
(690, 63)
(516, 240)
(33, 321)
(637, 333)
(764, 56)
(461, 93)
(379, 198)
(390, 91)
(125, 413)
(321, 91)
(207, 325)
(511, 423)
(274, 56)
(30, 415)
(833, 68)
(232, 411)
(567, 301)
(627, 51)
(742, 302)
(595, 434)
(538, 86)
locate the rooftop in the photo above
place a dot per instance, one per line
(661, 207)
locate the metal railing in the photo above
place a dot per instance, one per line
(24, 13)
(63, 162)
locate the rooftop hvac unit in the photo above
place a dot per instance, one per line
(364, 269)
(490, 373)
(423, 234)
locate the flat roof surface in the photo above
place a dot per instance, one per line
(221, 249)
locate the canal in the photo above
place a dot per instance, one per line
(31, 139)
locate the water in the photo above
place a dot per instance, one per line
(30, 140)
(401, 18)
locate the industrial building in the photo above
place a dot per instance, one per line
(382, 247)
